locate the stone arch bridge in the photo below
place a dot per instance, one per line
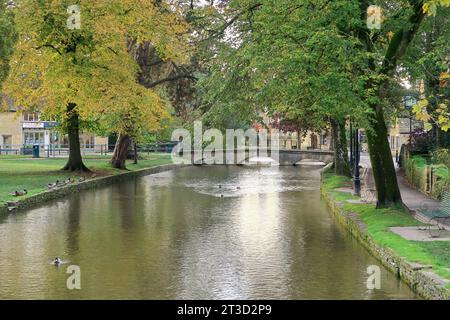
(285, 157)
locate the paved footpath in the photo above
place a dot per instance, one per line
(412, 198)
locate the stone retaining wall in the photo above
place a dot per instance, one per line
(418, 277)
(45, 196)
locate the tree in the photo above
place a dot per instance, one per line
(206, 21)
(7, 38)
(321, 56)
(176, 81)
(281, 63)
(427, 65)
(386, 49)
(79, 73)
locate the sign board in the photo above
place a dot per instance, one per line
(39, 125)
(33, 125)
(50, 124)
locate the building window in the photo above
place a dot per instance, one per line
(33, 137)
(30, 116)
(323, 139)
(87, 141)
(7, 141)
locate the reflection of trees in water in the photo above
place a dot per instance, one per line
(171, 221)
(321, 257)
(328, 262)
(128, 198)
(73, 224)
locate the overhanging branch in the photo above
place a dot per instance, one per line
(168, 79)
(402, 38)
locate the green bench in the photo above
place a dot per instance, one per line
(439, 217)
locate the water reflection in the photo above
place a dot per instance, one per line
(173, 235)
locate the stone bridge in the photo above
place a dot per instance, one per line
(291, 157)
(285, 157)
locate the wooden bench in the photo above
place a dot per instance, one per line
(439, 217)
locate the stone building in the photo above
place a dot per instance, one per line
(19, 131)
(308, 141)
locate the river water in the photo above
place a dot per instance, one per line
(219, 232)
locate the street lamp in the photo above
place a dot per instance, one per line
(351, 145)
(409, 102)
(357, 155)
(355, 158)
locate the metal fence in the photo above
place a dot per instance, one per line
(53, 150)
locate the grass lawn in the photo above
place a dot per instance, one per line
(18, 172)
(435, 253)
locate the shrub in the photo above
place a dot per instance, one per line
(441, 156)
(422, 142)
(417, 169)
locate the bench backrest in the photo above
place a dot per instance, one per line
(445, 203)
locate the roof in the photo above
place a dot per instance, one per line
(7, 104)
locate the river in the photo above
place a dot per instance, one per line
(212, 232)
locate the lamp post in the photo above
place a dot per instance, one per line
(409, 102)
(351, 145)
(357, 157)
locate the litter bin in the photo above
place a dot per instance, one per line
(36, 151)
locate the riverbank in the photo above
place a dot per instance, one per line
(424, 266)
(34, 175)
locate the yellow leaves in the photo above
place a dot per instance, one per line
(390, 34)
(423, 116)
(92, 67)
(430, 7)
(444, 123)
(440, 115)
(443, 119)
(441, 109)
(144, 22)
(420, 110)
(428, 126)
(443, 79)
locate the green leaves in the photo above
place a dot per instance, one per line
(8, 36)
(431, 6)
(294, 60)
(309, 60)
(419, 162)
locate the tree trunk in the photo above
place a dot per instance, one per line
(135, 153)
(388, 192)
(341, 165)
(75, 162)
(331, 143)
(121, 151)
